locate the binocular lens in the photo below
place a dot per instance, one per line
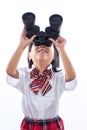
(28, 19)
(55, 22)
(56, 19)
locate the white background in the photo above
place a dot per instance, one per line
(73, 105)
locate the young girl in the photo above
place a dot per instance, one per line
(41, 83)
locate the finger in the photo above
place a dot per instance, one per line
(33, 37)
(30, 40)
(60, 38)
(23, 32)
(52, 40)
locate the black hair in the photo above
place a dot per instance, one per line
(55, 62)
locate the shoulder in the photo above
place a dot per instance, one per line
(58, 74)
(23, 70)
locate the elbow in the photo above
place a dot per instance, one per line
(70, 77)
(12, 73)
(7, 71)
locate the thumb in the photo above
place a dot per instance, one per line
(52, 40)
(32, 38)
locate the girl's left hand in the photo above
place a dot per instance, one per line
(59, 43)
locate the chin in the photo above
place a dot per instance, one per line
(42, 57)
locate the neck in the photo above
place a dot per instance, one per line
(41, 68)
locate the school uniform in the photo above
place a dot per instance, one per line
(41, 111)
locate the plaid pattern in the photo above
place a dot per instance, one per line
(50, 124)
(41, 81)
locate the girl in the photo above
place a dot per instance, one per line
(41, 83)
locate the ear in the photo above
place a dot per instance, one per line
(29, 55)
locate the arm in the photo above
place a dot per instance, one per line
(13, 63)
(68, 67)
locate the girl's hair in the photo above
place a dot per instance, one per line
(55, 62)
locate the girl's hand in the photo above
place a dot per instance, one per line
(24, 41)
(59, 43)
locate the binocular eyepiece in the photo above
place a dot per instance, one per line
(42, 37)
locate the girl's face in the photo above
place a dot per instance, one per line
(41, 55)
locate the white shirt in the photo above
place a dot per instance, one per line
(38, 106)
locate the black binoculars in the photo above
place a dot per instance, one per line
(42, 37)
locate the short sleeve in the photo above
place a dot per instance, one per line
(63, 85)
(17, 83)
(69, 85)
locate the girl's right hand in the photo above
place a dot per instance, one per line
(24, 41)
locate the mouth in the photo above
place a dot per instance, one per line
(42, 50)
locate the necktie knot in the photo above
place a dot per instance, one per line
(41, 81)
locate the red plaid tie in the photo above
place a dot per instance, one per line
(41, 81)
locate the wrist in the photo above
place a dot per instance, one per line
(21, 46)
(60, 50)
